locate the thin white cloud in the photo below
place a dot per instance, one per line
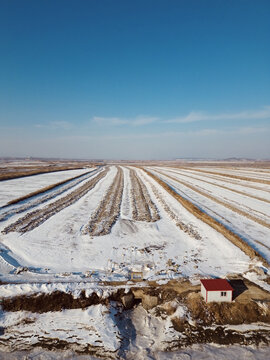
(64, 125)
(115, 121)
(243, 115)
(193, 116)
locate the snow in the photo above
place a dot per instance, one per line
(212, 352)
(253, 233)
(59, 245)
(15, 188)
(92, 326)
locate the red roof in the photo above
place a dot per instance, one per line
(216, 285)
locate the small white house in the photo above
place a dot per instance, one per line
(218, 290)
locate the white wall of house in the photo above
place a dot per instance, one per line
(216, 296)
(203, 291)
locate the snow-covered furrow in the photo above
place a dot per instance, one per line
(254, 234)
(197, 247)
(244, 189)
(248, 185)
(108, 211)
(143, 208)
(258, 208)
(245, 172)
(39, 199)
(126, 209)
(234, 174)
(15, 188)
(37, 217)
(58, 244)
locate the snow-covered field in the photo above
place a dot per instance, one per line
(59, 244)
(237, 210)
(47, 242)
(15, 188)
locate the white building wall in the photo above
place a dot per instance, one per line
(216, 296)
(203, 291)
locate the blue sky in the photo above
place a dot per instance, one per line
(137, 79)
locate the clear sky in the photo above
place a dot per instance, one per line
(135, 79)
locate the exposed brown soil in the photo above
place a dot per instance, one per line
(57, 301)
(219, 335)
(108, 211)
(35, 218)
(143, 208)
(218, 201)
(234, 313)
(231, 236)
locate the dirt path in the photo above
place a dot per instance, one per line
(108, 211)
(32, 220)
(143, 208)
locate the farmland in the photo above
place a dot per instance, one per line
(74, 230)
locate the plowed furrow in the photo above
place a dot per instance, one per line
(108, 211)
(143, 208)
(35, 218)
